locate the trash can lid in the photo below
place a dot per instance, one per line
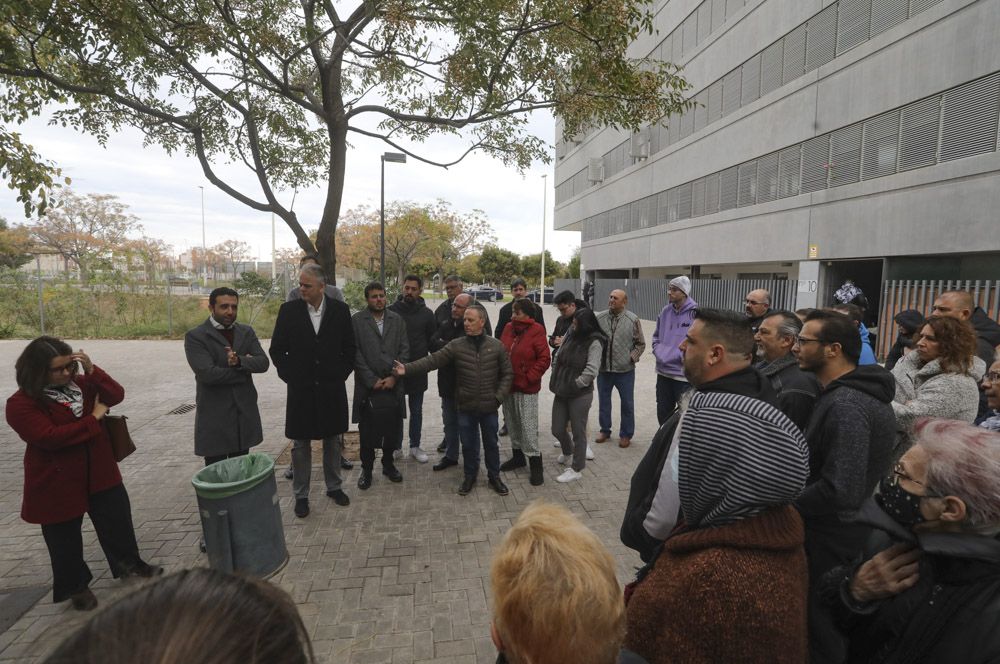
(231, 476)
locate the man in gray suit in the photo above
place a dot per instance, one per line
(380, 338)
(224, 355)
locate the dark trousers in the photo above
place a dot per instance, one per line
(376, 432)
(111, 514)
(470, 427)
(624, 382)
(668, 392)
(209, 460)
(415, 415)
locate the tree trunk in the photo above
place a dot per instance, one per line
(326, 236)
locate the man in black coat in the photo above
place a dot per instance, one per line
(851, 435)
(568, 305)
(518, 291)
(313, 350)
(447, 382)
(452, 287)
(797, 390)
(420, 330)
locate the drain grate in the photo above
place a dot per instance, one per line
(180, 410)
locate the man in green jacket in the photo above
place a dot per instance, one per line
(483, 376)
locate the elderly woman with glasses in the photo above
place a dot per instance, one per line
(929, 587)
(940, 378)
(69, 466)
(991, 388)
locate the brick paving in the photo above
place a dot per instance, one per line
(401, 575)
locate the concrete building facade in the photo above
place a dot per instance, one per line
(830, 140)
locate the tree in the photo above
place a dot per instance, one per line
(498, 265)
(85, 229)
(14, 245)
(150, 254)
(279, 85)
(531, 267)
(468, 269)
(573, 267)
(233, 253)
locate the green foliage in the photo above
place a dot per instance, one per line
(531, 267)
(279, 86)
(354, 293)
(573, 266)
(498, 265)
(255, 291)
(14, 243)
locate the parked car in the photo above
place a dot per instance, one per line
(549, 294)
(484, 293)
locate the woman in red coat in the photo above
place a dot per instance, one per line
(69, 467)
(528, 348)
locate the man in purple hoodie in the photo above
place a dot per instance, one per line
(671, 328)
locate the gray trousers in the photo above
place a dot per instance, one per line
(302, 464)
(574, 411)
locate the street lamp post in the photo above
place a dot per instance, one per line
(204, 248)
(398, 158)
(545, 207)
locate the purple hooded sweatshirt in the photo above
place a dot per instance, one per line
(671, 328)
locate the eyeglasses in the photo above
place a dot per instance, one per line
(992, 377)
(807, 340)
(899, 474)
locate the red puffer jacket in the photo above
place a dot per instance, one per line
(529, 354)
(66, 458)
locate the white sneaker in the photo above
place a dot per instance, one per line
(556, 443)
(397, 454)
(563, 458)
(569, 475)
(590, 454)
(418, 454)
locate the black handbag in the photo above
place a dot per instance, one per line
(122, 444)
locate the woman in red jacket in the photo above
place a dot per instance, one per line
(69, 467)
(528, 348)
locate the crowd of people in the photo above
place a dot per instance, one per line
(798, 501)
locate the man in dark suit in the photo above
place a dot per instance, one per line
(224, 355)
(313, 350)
(379, 408)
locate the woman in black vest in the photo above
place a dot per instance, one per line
(574, 369)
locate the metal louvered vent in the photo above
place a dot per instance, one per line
(821, 41)
(789, 161)
(684, 201)
(661, 207)
(969, 119)
(770, 67)
(731, 92)
(718, 14)
(712, 193)
(845, 155)
(767, 178)
(715, 101)
(751, 80)
(881, 146)
(794, 60)
(728, 185)
(672, 205)
(698, 198)
(918, 129)
(747, 194)
(888, 13)
(815, 162)
(690, 28)
(917, 6)
(704, 21)
(180, 410)
(853, 24)
(701, 110)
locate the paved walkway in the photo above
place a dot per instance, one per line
(401, 575)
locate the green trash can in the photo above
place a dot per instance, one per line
(240, 516)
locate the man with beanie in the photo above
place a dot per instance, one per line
(671, 327)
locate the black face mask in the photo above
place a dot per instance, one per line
(898, 503)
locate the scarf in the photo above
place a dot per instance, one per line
(68, 395)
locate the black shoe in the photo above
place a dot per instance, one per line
(84, 600)
(143, 571)
(393, 474)
(442, 447)
(537, 472)
(346, 464)
(445, 462)
(339, 497)
(467, 485)
(516, 461)
(503, 429)
(302, 507)
(497, 485)
(289, 474)
(201, 545)
(365, 481)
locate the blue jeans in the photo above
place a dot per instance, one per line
(470, 426)
(449, 414)
(415, 415)
(625, 384)
(668, 393)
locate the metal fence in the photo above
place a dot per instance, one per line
(647, 297)
(898, 296)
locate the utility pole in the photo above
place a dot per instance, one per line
(545, 207)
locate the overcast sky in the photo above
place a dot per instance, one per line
(163, 192)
